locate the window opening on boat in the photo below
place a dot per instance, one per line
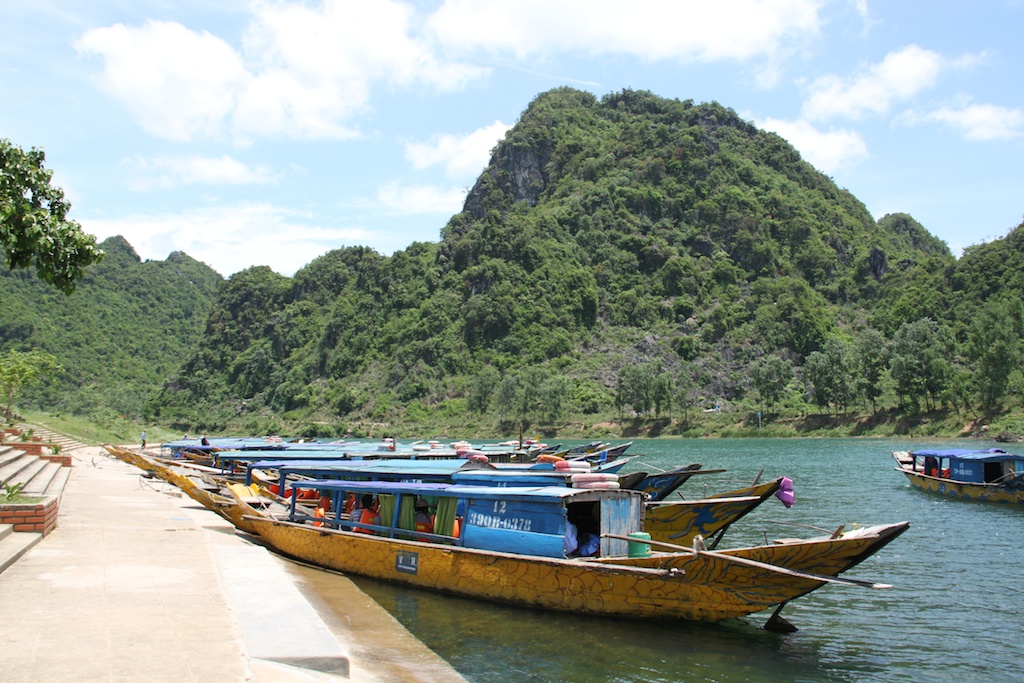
(583, 529)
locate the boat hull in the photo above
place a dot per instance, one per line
(705, 587)
(562, 585)
(680, 522)
(224, 506)
(992, 493)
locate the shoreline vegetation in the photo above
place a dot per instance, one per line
(944, 424)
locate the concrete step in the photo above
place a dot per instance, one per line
(12, 470)
(13, 546)
(27, 473)
(57, 484)
(9, 456)
(39, 483)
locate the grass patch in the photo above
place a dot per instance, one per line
(18, 499)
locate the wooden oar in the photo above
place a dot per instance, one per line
(754, 563)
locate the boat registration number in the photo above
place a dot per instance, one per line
(407, 563)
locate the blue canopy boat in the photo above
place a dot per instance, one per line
(990, 475)
(553, 547)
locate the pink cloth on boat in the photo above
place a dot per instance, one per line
(785, 492)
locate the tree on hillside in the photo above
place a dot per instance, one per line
(684, 385)
(830, 373)
(33, 221)
(918, 361)
(995, 342)
(771, 374)
(20, 369)
(482, 388)
(871, 352)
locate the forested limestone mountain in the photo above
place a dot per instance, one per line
(126, 328)
(605, 239)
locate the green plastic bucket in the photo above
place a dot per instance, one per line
(638, 548)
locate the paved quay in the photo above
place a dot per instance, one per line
(140, 583)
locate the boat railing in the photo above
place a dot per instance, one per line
(343, 522)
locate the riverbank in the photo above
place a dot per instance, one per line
(945, 424)
(140, 583)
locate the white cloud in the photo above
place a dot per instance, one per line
(420, 199)
(166, 173)
(981, 121)
(461, 157)
(901, 75)
(827, 151)
(302, 72)
(230, 239)
(177, 83)
(647, 29)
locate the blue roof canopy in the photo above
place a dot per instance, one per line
(988, 455)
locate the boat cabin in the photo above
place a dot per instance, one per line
(547, 521)
(991, 466)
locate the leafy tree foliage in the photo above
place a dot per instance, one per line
(831, 374)
(18, 370)
(919, 361)
(34, 227)
(771, 375)
(995, 343)
(871, 353)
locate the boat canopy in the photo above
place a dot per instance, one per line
(989, 455)
(990, 466)
(405, 470)
(529, 520)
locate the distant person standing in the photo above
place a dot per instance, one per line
(143, 438)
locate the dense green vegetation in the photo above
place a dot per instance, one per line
(124, 330)
(632, 258)
(624, 265)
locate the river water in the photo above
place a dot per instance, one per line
(954, 613)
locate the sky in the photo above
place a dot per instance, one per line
(271, 132)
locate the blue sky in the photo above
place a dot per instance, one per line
(267, 133)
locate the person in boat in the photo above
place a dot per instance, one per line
(424, 521)
(204, 441)
(367, 514)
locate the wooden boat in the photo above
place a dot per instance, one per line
(511, 547)
(213, 493)
(987, 475)
(659, 485)
(676, 522)
(682, 521)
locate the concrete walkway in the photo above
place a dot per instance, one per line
(139, 583)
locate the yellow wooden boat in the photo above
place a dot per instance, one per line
(683, 520)
(200, 487)
(992, 475)
(511, 546)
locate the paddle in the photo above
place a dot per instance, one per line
(754, 563)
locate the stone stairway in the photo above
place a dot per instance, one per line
(44, 476)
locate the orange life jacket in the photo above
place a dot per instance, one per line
(367, 516)
(424, 523)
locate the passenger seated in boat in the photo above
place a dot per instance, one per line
(424, 522)
(583, 531)
(367, 514)
(571, 543)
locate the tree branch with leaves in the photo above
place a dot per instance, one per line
(20, 369)
(34, 228)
